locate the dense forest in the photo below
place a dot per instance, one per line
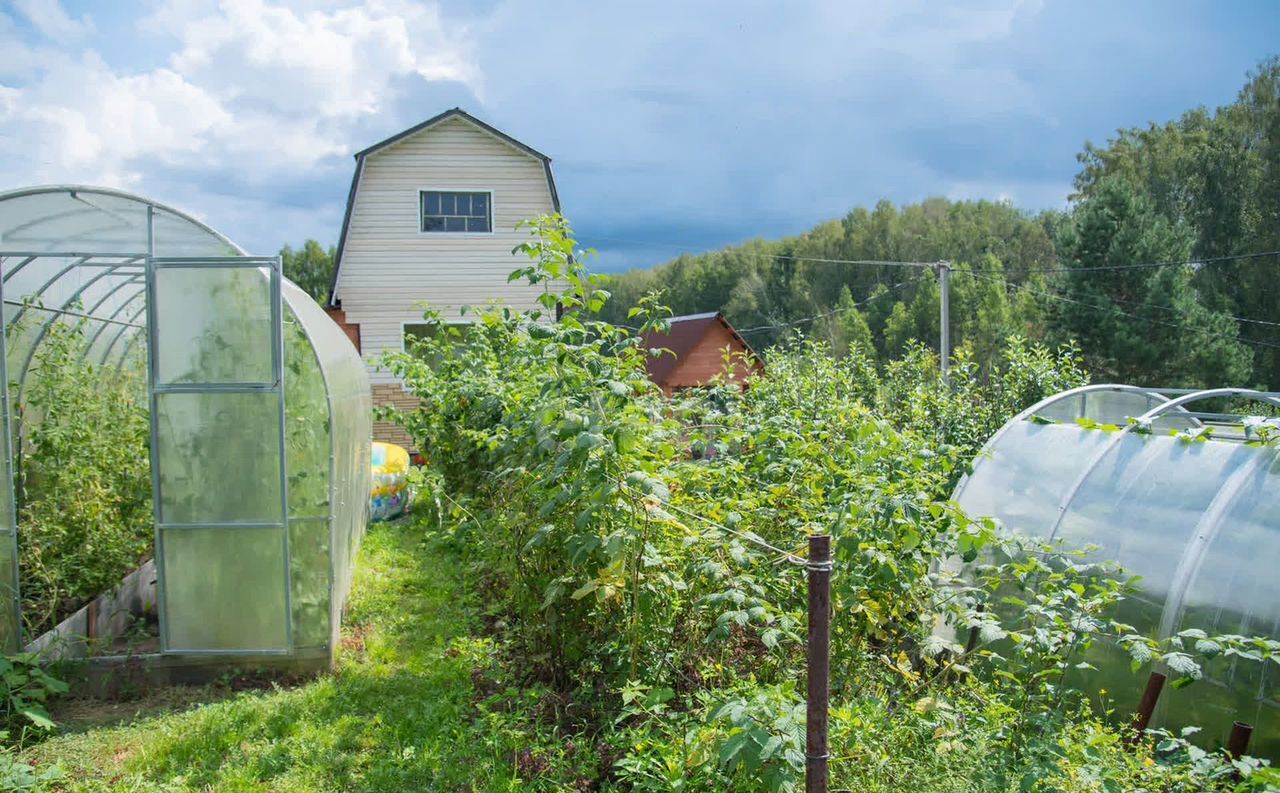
(1162, 269)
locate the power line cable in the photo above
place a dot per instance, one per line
(796, 258)
(1148, 265)
(1103, 268)
(1130, 315)
(815, 317)
(1173, 310)
(1169, 309)
(889, 263)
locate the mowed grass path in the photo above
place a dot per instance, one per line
(399, 714)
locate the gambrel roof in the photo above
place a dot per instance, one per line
(453, 113)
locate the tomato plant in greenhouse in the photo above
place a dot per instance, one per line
(84, 475)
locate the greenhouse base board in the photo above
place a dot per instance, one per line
(112, 676)
(102, 620)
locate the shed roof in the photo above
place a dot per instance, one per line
(686, 331)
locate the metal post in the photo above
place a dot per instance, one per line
(10, 634)
(944, 342)
(1150, 696)
(819, 651)
(1238, 743)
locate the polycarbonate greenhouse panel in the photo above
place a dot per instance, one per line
(10, 615)
(1198, 519)
(309, 566)
(308, 439)
(213, 325)
(1104, 407)
(94, 219)
(1024, 479)
(1143, 499)
(219, 457)
(223, 589)
(350, 406)
(219, 453)
(1234, 589)
(260, 412)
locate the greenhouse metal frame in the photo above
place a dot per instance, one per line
(1184, 498)
(249, 464)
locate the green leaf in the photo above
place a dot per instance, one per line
(39, 717)
(732, 747)
(1182, 664)
(659, 696)
(1208, 647)
(585, 589)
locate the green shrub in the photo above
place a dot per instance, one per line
(84, 477)
(640, 553)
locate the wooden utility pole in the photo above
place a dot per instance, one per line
(944, 340)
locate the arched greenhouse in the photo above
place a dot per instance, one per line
(258, 409)
(1185, 497)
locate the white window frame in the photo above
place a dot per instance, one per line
(493, 212)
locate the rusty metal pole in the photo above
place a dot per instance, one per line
(819, 651)
(1155, 684)
(1238, 743)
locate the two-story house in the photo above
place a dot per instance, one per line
(431, 218)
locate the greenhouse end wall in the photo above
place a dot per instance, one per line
(260, 415)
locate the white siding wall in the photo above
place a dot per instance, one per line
(389, 267)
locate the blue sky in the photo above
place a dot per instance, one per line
(673, 126)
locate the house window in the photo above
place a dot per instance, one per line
(447, 211)
(425, 331)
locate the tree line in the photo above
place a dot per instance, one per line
(1194, 190)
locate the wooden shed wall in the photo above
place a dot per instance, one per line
(706, 360)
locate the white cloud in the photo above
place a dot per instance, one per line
(48, 17)
(332, 64)
(253, 91)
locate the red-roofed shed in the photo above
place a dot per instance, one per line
(699, 342)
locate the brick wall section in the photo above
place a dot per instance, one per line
(353, 331)
(385, 431)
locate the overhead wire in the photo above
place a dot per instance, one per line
(833, 312)
(1079, 270)
(1149, 265)
(791, 257)
(1096, 307)
(1173, 310)
(891, 263)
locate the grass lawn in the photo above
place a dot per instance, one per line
(400, 713)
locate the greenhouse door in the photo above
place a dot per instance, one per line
(217, 454)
